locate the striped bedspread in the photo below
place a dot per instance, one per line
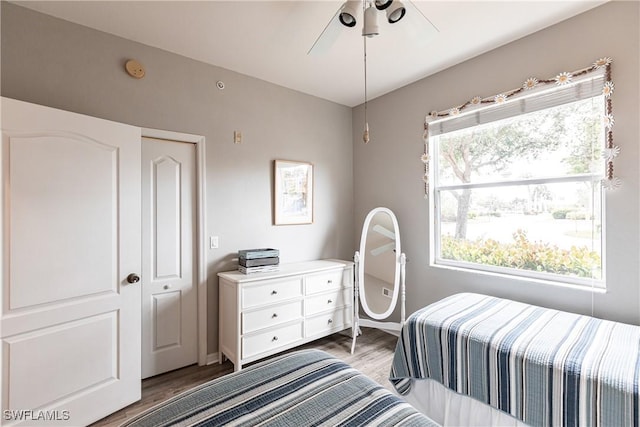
(305, 388)
(544, 367)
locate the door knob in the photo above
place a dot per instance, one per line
(133, 278)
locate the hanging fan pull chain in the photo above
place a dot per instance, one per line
(365, 135)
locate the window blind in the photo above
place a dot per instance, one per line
(548, 96)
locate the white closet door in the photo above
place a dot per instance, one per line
(71, 236)
(169, 291)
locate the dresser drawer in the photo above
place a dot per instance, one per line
(327, 301)
(329, 322)
(271, 292)
(328, 281)
(271, 316)
(270, 340)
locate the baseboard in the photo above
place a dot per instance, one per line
(213, 358)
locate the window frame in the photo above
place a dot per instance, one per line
(434, 196)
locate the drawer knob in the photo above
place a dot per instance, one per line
(329, 301)
(330, 321)
(274, 315)
(329, 281)
(274, 292)
(274, 339)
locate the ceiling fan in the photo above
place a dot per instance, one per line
(347, 17)
(353, 12)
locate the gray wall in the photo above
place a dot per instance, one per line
(388, 171)
(63, 65)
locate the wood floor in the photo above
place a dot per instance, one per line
(373, 356)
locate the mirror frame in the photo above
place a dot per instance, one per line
(363, 258)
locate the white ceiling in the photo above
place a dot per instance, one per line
(270, 39)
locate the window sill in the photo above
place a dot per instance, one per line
(596, 286)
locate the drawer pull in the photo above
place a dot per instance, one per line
(274, 339)
(330, 321)
(274, 292)
(329, 301)
(274, 315)
(329, 281)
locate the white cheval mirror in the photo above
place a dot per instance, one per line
(380, 270)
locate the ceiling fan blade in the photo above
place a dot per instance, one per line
(382, 249)
(328, 37)
(418, 25)
(384, 231)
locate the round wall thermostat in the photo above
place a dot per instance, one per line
(134, 68)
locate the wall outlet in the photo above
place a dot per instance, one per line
(387, 292)
(237, 137)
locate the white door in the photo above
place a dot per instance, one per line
(70, 324)
(169, 291)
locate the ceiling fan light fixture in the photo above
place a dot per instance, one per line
(370, 28)
(382, 4)
(348, 13)
(395, 12)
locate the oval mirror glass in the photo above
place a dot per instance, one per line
(378, 268)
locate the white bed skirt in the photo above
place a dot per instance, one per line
(449, 408)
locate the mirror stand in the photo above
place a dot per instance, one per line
(393, 328)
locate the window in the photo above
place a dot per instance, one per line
(517, 185)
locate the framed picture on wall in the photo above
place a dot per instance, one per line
(293, 192)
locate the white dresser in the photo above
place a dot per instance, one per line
(265, 313)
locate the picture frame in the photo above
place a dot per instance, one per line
(292, 192)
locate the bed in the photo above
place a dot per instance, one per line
(476, 359)
(304, 388)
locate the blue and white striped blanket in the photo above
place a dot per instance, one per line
(544, 367)
(305, 388)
